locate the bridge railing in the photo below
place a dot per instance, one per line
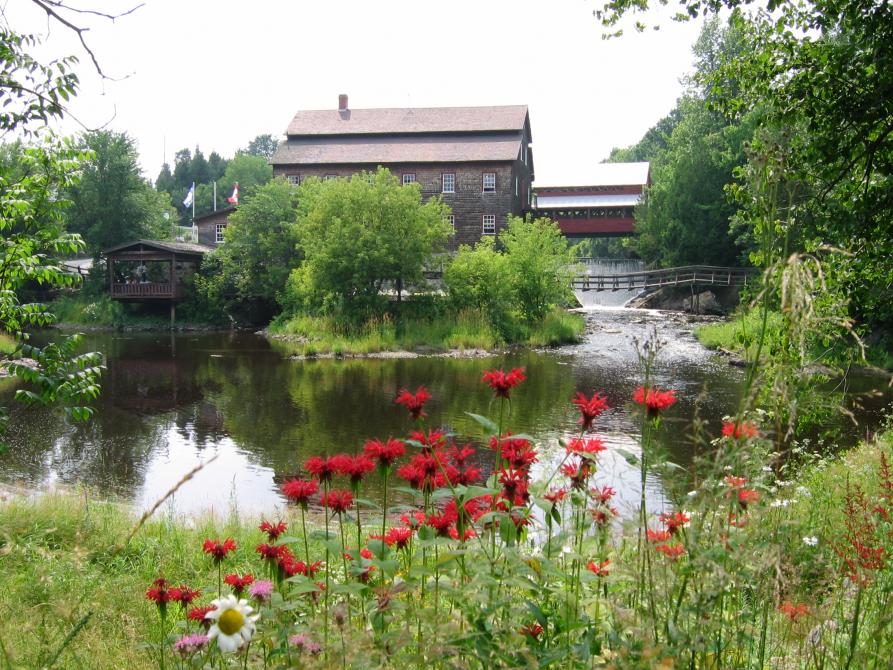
(707, 275)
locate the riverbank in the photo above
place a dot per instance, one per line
(468, 333)
(738, 338)
(65, 569)
(86, 312)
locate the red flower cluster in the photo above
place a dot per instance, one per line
(353, 467)
(734, 482)
(674, 521)
(217, 549)
(299, 491)
(337, 500)
(503, 382)
(239, 582)
(198, 615)
(273, 531)
(654, 400)
(578, 472)
(183, 595)
(792, 611)
(556, 496)
(862, 546)
(413, 520)
(433, 439)
(599, 569)
(603, 495)
(515, 452)
(533, 630)
(589, 448)
(323, 469)
(747, 497)
(671, 551)
(414, 402)
(159, 593)
(398, 537)
(656, 536)
(590, 408)
(384, 452)
(743, 429)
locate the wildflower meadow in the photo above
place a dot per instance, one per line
(467, 560)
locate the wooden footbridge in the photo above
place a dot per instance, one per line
(689, 275)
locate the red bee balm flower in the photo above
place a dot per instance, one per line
(671, 551)
(590, 408)
(556, 495)
(658, 535)
(588, 448)
(742, 430)
(183, 595)
(323, 469)
(599, 569)
(159, 593)
(502, 382)
(533, 630)
(354, 467)
(338, 501)
(273, 531)
(654, 399)
(198, 614)
(384, 452)
(398, 537)
(414, 403)
(300, 491)
(217, 549)
(792, 611)
(747, 496)
(239, 583)
(674, 521)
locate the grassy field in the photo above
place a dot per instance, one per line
(467, 330)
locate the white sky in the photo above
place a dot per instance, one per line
(216, 74)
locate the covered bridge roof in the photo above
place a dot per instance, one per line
(188, 248)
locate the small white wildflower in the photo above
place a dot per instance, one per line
(810, 540)
(803, 491)
(766, 468)
(566, 549)
(728, 468)
(692, 494)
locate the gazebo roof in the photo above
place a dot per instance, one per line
(186, 248)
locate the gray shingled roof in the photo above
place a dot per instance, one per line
(185, 247)
(385, 150)
(408, 120)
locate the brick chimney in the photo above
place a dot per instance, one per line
(342, 102)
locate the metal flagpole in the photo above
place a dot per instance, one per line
(194, 231)
(215, 196)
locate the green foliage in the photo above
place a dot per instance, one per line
(111, 203)
(540, 264)
(263, 145)
(246, 276)
(518, 285)
(359, 235)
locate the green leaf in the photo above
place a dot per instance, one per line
(487, 424)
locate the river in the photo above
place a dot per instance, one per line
(171, 401)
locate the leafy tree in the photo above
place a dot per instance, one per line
(165, 182)
(216, 166)
(245, 276)
(356, 235)
(479, 278)
(821, 75)
(262, 145)
(540, 263)
(250, 171)
(32, 180)
(112, 203)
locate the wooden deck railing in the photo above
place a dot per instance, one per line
(145, 290)
(701, 275)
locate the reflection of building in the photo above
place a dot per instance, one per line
(478, 159)
(211, 226)
(603, 204)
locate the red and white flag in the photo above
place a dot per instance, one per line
(234, 198)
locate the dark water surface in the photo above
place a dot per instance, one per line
(170, 402)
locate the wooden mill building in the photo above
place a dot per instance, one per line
(478, 159)
(600, 204)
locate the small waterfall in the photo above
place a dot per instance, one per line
(608, 266)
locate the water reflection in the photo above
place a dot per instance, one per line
(169, 403)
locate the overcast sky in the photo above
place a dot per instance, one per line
(216, 74)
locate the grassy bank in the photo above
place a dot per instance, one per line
(467, 330)
(740, 335)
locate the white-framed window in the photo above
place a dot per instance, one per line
(451, 219)
(488, 182)
(408, 178)
(294, 179)
(330, 177)
(218, 232)
(489, 227)
(449, 182)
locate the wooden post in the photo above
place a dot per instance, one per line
(173, 313)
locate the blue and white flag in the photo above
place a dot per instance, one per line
(190, 197)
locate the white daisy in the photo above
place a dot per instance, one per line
(810, 540)
(233, 623)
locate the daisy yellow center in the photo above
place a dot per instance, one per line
(231, 622)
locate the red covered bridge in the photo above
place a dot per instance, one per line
(601, 205)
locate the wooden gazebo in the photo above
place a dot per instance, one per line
(149, 270)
